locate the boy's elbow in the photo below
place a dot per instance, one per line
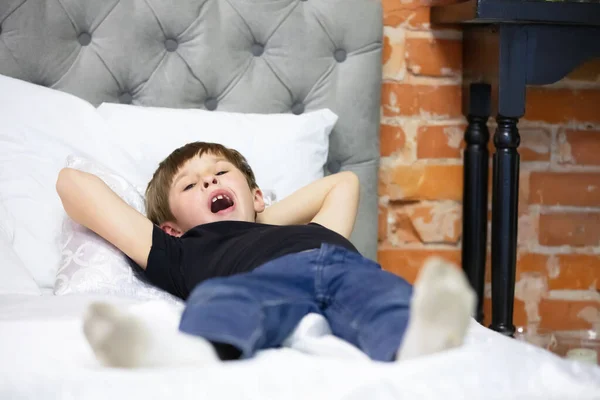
(65, 180)
(351, 185)
(352, 177)
(352, 181)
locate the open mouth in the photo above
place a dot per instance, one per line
(221, 201)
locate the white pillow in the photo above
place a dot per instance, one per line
(14, 277)
(90, 264)
(39, 127)
(7, 224)
(285, 151)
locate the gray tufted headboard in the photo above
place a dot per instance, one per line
(260, 56)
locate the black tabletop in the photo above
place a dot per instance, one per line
(573, 12)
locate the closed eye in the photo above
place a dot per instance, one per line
(222, 172)
(188, 187)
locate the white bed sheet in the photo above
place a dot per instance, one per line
(43, 355)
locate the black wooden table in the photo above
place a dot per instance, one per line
(507, 45)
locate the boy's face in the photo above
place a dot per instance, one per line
(210, 189)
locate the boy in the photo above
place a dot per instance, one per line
(250, 274)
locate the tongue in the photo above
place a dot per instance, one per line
(220, 204)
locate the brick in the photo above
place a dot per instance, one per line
(408, 262)
(545, 265)
(402, 230)
(386, 51)
(563, 271)
(437, 3)
(535, 144)
(524, 189)
(561, 105)
(393, 5)
(418, 18)
(531, 289)
(579, 147)
(394, 64)
(434, 57)
(487, 312)
(421, 182)
(565, 188)
(589, 72)
(382, 225)
(574, 229)
(392, 140)
(528, 230)
(440, 141)
(438, 222)
(554, 314)
(429, 101)
(565, 314)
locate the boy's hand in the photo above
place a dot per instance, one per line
(91, 203)
(331, 201)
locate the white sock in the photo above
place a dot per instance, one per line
(147, 336)
(441, 308)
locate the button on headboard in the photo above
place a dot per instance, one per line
(260, 56)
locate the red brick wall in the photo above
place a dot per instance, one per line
(421, 172)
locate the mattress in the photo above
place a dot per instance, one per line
(43, 355)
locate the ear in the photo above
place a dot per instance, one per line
(171, 228)
(259, 201)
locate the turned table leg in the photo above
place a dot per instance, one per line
(504, 223)
(475, 191)
(505, 186)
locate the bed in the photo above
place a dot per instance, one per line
(272, 60)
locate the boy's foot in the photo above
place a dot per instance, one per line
(440, 312)
(139, 339)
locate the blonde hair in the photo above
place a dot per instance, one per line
(157, 193)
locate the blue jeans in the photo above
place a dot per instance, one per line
(363, 304)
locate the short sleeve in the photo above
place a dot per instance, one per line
(164, 267)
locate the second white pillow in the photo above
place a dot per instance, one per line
(285, 151)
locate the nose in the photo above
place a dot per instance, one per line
(209, 180)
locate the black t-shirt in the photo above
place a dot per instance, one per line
(226, 248)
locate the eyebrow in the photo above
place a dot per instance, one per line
(178, 178)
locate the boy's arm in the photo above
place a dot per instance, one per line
(331, 201)
(91, 203)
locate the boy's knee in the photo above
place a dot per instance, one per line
(219, 288)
